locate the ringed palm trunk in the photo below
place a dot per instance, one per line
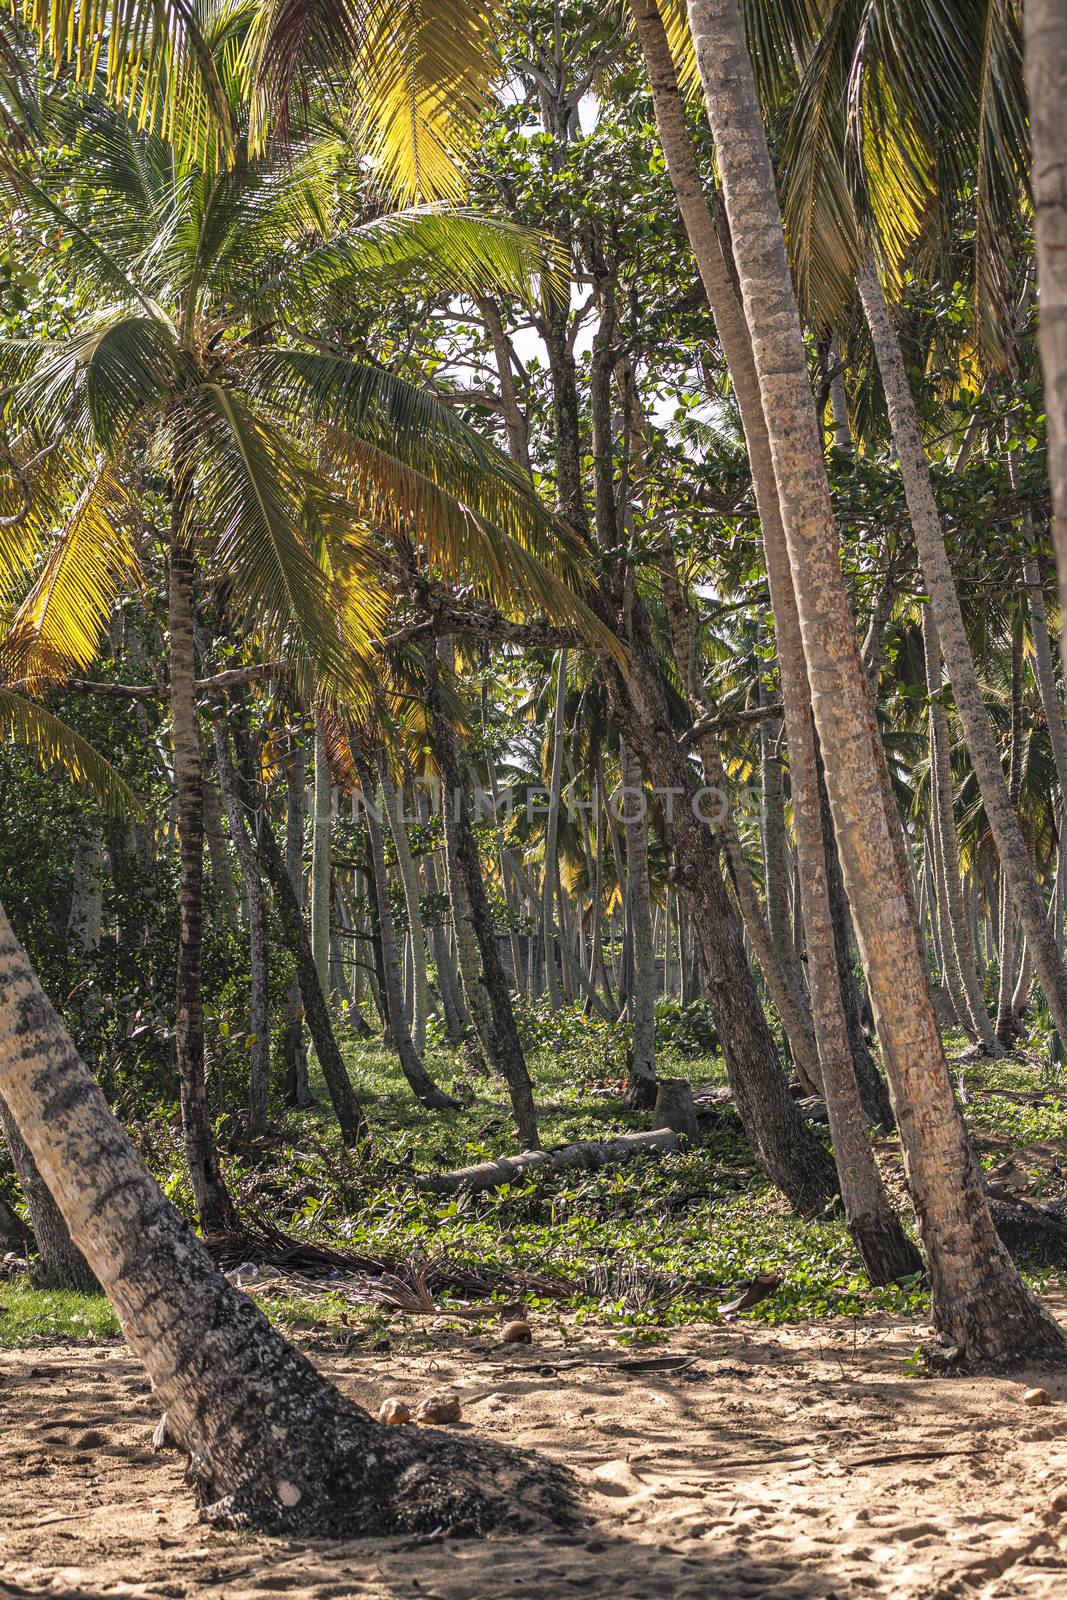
(943, 820)
(422, 1085)
(945, 605)
(1045, 25)
(812, 864)
(270, 1444)
(214, 1208)
(979, 1303)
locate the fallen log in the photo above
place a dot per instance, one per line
(512, 1169)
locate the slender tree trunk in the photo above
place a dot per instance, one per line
(506, 1049)
(422, 1085)
(214, 1208)
(945, 606)
(943, 822)
(222, 878)
(60, 1264)
(270, 1444)
(87, 900)
(294, 1054)
(349, 1113)
(548, 882)
(641, 1088)
(258, 942)
(1045, 25)
(321, 870)
(409, 879)
(1044, 672)
(979, 1303)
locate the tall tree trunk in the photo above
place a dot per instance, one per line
(1045, 25)
(422, 1085)
(945, 606)
(84, 924)
(506, 1049)
(548, 882)
(222, 878)
(641, 1088)
(294, 1054)
(258, 943)
(1044, 672)
(270, 1444)
(409, 879)
(349, 1113)
(979, 1302)
(214, 1208)
(321, 869)
(60, 1264)
(943, 823)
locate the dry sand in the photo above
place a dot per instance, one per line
(794, 1462)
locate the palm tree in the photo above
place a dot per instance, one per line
(979, 1303)
(270, 1444)
(168, 383)
(1046, 72)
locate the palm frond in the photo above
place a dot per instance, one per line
(54, 743)
(268, 511)
(156, 59)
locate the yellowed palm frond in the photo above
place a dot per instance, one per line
(59, 624)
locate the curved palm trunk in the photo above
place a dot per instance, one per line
(641, 1088)
(258, 943)
(979, 1302)
(884, 1247)
(270, 1444)
(945, 605)
(422, 1085)
(506, 1049)
(944, 822)
(1045, 25)
(214, 1207)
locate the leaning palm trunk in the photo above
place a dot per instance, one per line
(422, 1085)
(270, 1444)
(60, 1264)
(213, 1204)
(885, 1247)
(945, 605)
(641, 1087)
(979, 1303)
(1045, 23)
(1044, 672)
(944, 823)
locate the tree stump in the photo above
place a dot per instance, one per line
(675, 1108)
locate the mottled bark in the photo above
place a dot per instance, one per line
(269, 1443)
(956, 650)
(1045, 25)
(979, 1303)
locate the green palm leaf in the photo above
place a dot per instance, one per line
(54, 743)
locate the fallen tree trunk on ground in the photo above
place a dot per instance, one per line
(590, 1153)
